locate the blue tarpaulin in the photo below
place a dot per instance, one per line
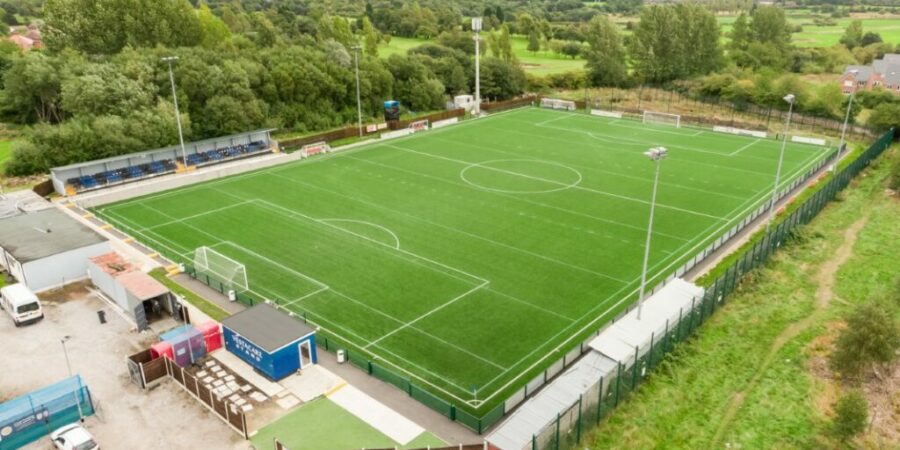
(28, 418)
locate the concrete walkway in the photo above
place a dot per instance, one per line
(401, 402)
(209, 293)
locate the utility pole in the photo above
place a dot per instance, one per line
(476, 27)
(170, 60)
(356, 49)
(790, 98)
(656, 154)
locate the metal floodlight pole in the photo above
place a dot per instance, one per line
(790, 98)
(69, 368)
(170, 60)
(476, 27)
(356, 49)
(846, 117)
(655, 154)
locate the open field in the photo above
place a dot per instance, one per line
(539, 63)
(427, 253)
(816, 36)
(785, 404)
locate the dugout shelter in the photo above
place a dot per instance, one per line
(274, 343)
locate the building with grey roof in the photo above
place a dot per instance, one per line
(47, 248)
(883, 73)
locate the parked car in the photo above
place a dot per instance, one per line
(21, 304)
(73, 437)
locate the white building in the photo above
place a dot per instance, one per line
(48, 249)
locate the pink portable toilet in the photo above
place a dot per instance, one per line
(161, 348)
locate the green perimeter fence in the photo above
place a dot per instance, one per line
(571, 421)
(599, 399)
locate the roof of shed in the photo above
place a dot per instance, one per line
(267, 327)
(30, 237)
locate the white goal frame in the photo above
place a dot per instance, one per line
(222, 268)
(555, 103)
(663, 118)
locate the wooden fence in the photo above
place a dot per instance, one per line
(144, 371)
(509, 104)
(225, 409)
(352, 131)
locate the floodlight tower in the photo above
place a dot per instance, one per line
(356, 49)
(69, 368)
(170, 60)
(790, 98)
(847, 117)
(656, 154)
(476, 27)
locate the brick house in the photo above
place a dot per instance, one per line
(884, 73)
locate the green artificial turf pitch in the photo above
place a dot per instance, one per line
(469, 258)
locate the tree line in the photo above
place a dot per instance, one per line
(100, 89)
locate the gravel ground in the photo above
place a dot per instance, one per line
(128, 418)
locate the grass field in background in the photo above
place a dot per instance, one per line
(323, 425)
(539, 63)
(5, 154)
(815, 36)
(472, 257)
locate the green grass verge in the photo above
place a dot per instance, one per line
(682, 403)
(207, 307)
(323, 425)
(5, 154)
(426, 253)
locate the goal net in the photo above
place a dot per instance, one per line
(554, 103)
(663, 118)
(221, 268)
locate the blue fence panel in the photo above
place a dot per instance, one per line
(28, 418)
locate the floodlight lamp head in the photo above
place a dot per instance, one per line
(790, 98)
(656, 153)
(169, 58)
(476, 24)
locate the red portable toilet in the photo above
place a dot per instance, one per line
(212, 334)
(161, 348)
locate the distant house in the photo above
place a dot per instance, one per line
(884, 73)
(26, 38)
(22, 42)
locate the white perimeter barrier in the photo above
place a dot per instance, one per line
(740, 131)
(396, 134)
(809, 140)
(444, 123)
(604, 113)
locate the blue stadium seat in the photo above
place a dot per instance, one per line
(135, 172)
(157, 167)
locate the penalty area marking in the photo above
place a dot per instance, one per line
(375, 225)
(486, 165)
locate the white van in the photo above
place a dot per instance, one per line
(21, 304)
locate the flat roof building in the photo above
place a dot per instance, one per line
(47, 249)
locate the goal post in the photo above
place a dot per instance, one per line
(555, 103)
(221, 268)
(662, 118)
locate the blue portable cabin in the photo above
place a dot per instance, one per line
(274, 343)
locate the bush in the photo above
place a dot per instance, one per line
(894, 177)
(851, 415)
(872, 337)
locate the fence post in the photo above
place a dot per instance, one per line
(618, 381)
(557, 431)
(600, 400)
(634, 369)
(650, 354)
(578, 428)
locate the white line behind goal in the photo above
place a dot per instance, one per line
(663, 118)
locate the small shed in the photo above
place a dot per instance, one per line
(274, 343)
(47, 249)
(143, 299)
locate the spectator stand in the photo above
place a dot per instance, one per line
(92, 175)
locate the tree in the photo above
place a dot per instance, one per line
(370, 37)
(853, 35)
(501, 79)
(870, 38)
(213, 31)
(414, 84)
(740, 33)
(571, 49)
(606, 53)
(534, 41)
(885, 116)
(504, 43)
(851, 415)
(525, 24)
(872, 335)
